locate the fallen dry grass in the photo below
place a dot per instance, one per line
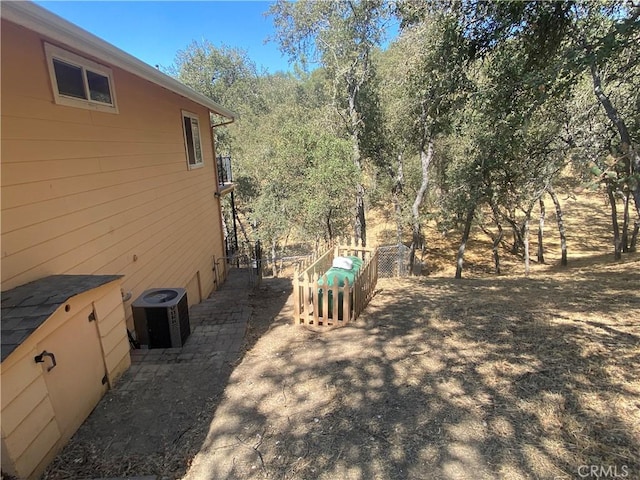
(481, 378)
(587, 224)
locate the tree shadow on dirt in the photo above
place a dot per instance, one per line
(156, 417)
(442, 379)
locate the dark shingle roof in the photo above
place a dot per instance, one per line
(26, 307)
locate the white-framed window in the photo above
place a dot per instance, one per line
(192, 143)
(80, 82)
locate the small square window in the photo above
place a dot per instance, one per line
(80, 82)
(193, 145)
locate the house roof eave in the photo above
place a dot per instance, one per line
(40, 20)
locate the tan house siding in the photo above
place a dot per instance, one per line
(86, 192)
(39, 413)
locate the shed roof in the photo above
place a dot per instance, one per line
(40, 20)
(26, 307)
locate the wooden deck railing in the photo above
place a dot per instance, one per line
(312, 305)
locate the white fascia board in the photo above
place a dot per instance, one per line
(40, 20)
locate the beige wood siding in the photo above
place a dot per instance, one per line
(88, 192)
(37, 420)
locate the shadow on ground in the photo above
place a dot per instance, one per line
(441, 379)
(156, 417)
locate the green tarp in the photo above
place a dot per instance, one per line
(335, 274)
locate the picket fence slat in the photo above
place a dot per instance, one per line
(335, 291)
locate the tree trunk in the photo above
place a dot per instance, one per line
(396, 192)
(496, 249)
(624, 240)
(361, 221)
(617, 246)
(561, 230)
(360, 224)
(497, 239)
(541, 231)
(463, 241)
(517, 234)
(632, 157)
(416, 239)
(329, 230)
(634, 236)
(257, 251)
(525, 241)
(274, 265)
(517, 238)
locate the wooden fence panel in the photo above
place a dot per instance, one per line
(317, 314)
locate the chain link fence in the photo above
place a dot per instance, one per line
(393, 261)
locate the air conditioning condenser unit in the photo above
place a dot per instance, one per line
(161, 318)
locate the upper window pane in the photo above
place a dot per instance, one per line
(69, 79)
(99, 87)
(188, 135)
(196, 140)
(192, 139)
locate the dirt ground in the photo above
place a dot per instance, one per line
(488, 377)
(494, 377)
(483, 378)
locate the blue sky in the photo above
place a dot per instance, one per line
(155, 31)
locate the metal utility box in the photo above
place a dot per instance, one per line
(161, 317)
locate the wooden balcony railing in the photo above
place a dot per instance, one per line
(225, 178)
